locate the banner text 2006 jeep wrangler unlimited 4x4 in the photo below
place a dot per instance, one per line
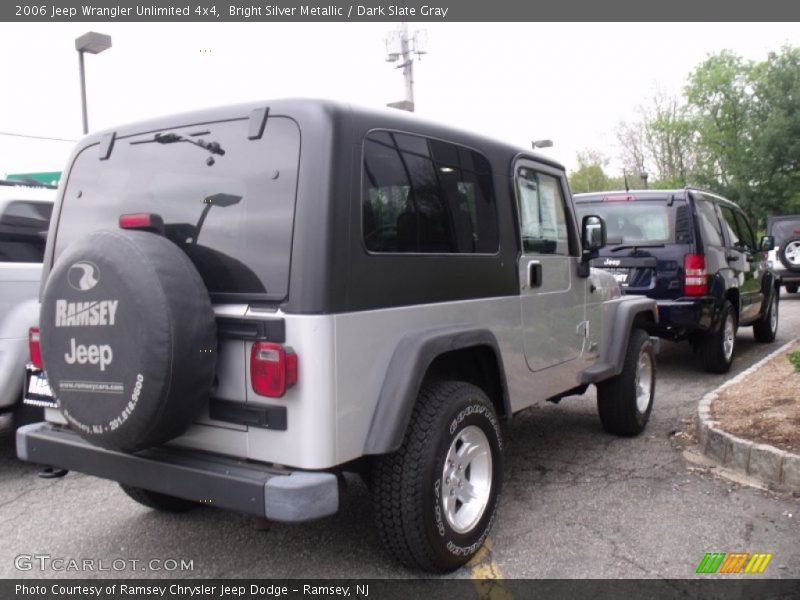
(241, 304)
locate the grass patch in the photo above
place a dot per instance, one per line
(794, 358)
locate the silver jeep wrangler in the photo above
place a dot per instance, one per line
(241, 304)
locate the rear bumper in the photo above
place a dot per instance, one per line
(785, 276)
(683, 316)
(277, 494)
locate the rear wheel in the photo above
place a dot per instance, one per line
(158, 501)
(625, 402)
(766, 328)
(435, 498)
(716, 348)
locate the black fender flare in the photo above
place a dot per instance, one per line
(769, 287)
(408, 366)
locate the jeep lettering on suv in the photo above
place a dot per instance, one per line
(242, 304)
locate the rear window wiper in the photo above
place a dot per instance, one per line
(635, 246)
(171, 138)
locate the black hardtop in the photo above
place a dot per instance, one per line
(781, 219)
(317, 117)
(330, 270)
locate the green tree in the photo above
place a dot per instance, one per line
(590, 175)
(660, 143)
(776, 136)
(720, 99)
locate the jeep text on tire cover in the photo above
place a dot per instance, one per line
(226, 317)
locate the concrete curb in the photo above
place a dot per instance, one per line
(762, 461)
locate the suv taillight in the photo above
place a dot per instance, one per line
(696, 282)
(35, 347)
(273, 369)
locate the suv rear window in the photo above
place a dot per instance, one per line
(426, 196)
(23, 231)
(641, 221)
(231, 213)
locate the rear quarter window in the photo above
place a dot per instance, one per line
(422, 195)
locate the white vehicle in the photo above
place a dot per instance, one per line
(24, 219)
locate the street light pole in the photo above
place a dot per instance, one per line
(83, 93)
(93, 43)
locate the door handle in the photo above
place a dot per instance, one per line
(534, 274)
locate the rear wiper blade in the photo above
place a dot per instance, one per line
(635, 246)
(171, 138)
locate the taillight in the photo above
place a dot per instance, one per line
(696, 281)
(143, 221)
(35, 347)
(273, 369)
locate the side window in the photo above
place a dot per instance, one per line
(426, 196)
(729, 222)
(709, 222)
(543, 220)
(23, 229)
(745, 231)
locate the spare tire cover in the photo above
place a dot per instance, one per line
(128, 338)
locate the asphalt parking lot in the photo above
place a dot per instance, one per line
(576, 503)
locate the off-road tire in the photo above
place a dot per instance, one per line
(618, 398)
(713, 355)
(158, 501)
(765, 329)
(792, 245)
(408, 486)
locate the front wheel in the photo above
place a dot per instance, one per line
(435, 498)
(625, 401)
(766, 328)
(791, 288)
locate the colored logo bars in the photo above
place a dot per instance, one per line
(719, 562)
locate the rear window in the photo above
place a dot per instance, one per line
(231, 213)
(23, 231)
(641, 221)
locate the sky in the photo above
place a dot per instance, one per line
(572, 83)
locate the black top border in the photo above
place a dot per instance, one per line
(709, 11)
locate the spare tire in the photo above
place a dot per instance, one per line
(789, 254)
(128, 338)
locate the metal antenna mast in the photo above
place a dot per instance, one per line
(401, 47)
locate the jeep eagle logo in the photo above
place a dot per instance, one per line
(83, 276)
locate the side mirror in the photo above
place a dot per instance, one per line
(593, 236)
(767, 243)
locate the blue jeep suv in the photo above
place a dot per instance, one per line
(696, 254)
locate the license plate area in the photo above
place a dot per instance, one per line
(621, 275)
(37, 388)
